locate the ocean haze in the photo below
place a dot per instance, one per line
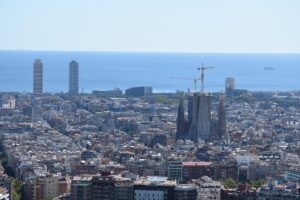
(105, 70)
(170, 26)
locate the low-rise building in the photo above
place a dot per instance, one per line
(275, 191)
(194, 170)
(154, 188)
(4, 195)
(208, 188)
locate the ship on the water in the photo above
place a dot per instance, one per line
(269, 68)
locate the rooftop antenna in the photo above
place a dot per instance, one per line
(202, 69)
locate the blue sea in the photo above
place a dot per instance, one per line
(162, 71)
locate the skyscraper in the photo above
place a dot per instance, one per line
(37, 77)
(229, 85)
(73, 78)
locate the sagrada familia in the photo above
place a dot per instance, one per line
(199, 123)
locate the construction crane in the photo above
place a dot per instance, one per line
(202, 69)
(193, 79)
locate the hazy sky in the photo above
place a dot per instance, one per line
(151, 25)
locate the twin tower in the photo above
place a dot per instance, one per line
(200, 124)
(38, 77)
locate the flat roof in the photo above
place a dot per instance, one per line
(200, 163)
(2, 190)
(157, 178)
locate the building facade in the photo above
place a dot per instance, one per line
(194, 170)
(81, 188)
(101, 187)
(222, 133)
(175, 169)
(182, 124)
(185, 192)
(4, 195)
(229, 85)
(154, 188)
(201, 122)
(73, 78)
(44, 187)
(37, 77)
(224, 170)
(139, 91)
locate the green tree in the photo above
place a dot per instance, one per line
(229, 183)
(257, 183)
(4, 162)
(16, 189)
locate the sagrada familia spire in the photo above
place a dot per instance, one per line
(182, 124)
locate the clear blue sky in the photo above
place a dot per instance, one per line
(271, 26)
